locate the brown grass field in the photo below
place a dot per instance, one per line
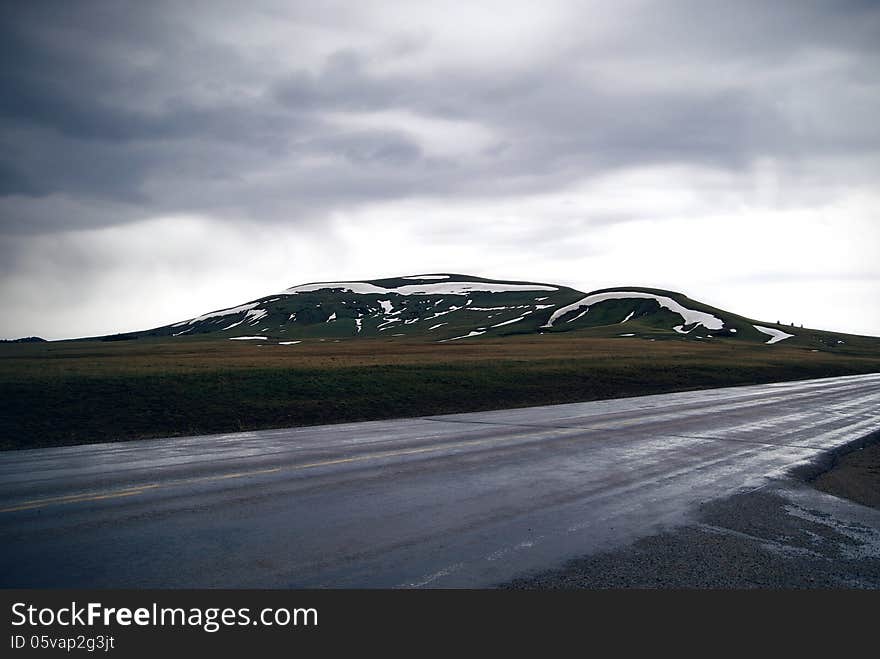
(91, 391)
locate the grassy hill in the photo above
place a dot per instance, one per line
(455, 307)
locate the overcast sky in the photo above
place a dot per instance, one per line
(163, 159)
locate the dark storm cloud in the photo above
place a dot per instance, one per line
(343, 84)
(113, 112)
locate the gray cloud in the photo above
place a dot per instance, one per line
(130, 103)
(283, 114)
(343, 84)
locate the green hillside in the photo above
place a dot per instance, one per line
(454, 307)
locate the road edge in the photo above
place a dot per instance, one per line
(825, 461)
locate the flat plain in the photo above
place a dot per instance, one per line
(79, 392)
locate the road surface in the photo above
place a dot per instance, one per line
(465, 500)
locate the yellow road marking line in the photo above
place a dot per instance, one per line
(77, 498)
(132, 491)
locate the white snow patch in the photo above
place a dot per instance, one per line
(631, 314)
(386, 305)
(443, 313)
(292, 317)
(509, 322)
(440, 288)
(582, 313)
(216, 314)
(358, 322)
(254, 315)
(288, 343)
(350, 286)
(632, 335)
(733, 330)
(248, 338)
(689, 316)
(775, 335)
(433, 327)
(331, 317)
(417, 277)
(466, 336)
(540, 299)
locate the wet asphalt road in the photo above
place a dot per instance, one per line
(466, 500)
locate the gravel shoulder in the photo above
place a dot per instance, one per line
(811, 530)
(854, 476)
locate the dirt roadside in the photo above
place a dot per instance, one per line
(854, 476)
(787, 535)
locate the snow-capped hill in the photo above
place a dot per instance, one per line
(689, 316)
(437, 306)
(657, 313)
(455, 308)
